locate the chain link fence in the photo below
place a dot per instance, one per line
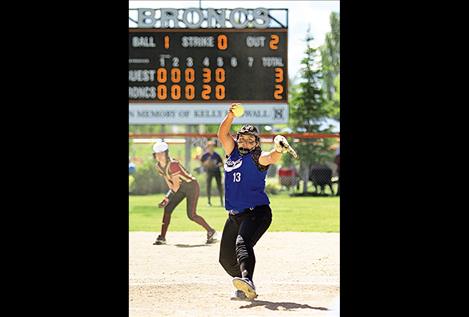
(322, 179)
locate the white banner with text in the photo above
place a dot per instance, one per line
(185, 113)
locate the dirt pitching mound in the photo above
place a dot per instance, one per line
(296, 274)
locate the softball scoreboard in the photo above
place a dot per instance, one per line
(183, 68)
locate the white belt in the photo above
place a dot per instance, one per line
(236, 212)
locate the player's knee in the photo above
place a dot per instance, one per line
(222, 260)
(192, 216)
(230, 268)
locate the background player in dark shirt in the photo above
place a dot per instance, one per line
(212, 162)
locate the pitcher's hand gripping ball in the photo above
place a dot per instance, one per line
(281, 145)
(237, 109)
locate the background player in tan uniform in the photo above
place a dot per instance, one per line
(181, 185)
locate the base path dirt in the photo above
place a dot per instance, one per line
(296, 274)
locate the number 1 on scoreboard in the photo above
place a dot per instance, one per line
(166, 41)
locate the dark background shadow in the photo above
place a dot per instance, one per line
(276, 305)
(191, 245)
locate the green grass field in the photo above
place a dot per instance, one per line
(313, 214)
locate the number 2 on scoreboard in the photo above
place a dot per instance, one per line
(278, 92)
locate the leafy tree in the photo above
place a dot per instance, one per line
(330, 58)
(308, 110)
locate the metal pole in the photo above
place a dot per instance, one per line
(188, 149)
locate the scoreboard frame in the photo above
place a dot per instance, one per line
(198, 99)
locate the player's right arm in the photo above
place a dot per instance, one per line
(165, 200)
(219, 161)
(205, 161)
(173, 184)
(224, 132)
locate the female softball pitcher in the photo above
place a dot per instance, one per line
(181, 185)
(249, 213)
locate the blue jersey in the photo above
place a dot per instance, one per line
(244, 181)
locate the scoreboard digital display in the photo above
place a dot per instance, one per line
(208, 65)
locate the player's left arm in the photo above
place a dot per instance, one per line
(280, 146)
(271, 157)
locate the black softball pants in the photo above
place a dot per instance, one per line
(240, 235)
